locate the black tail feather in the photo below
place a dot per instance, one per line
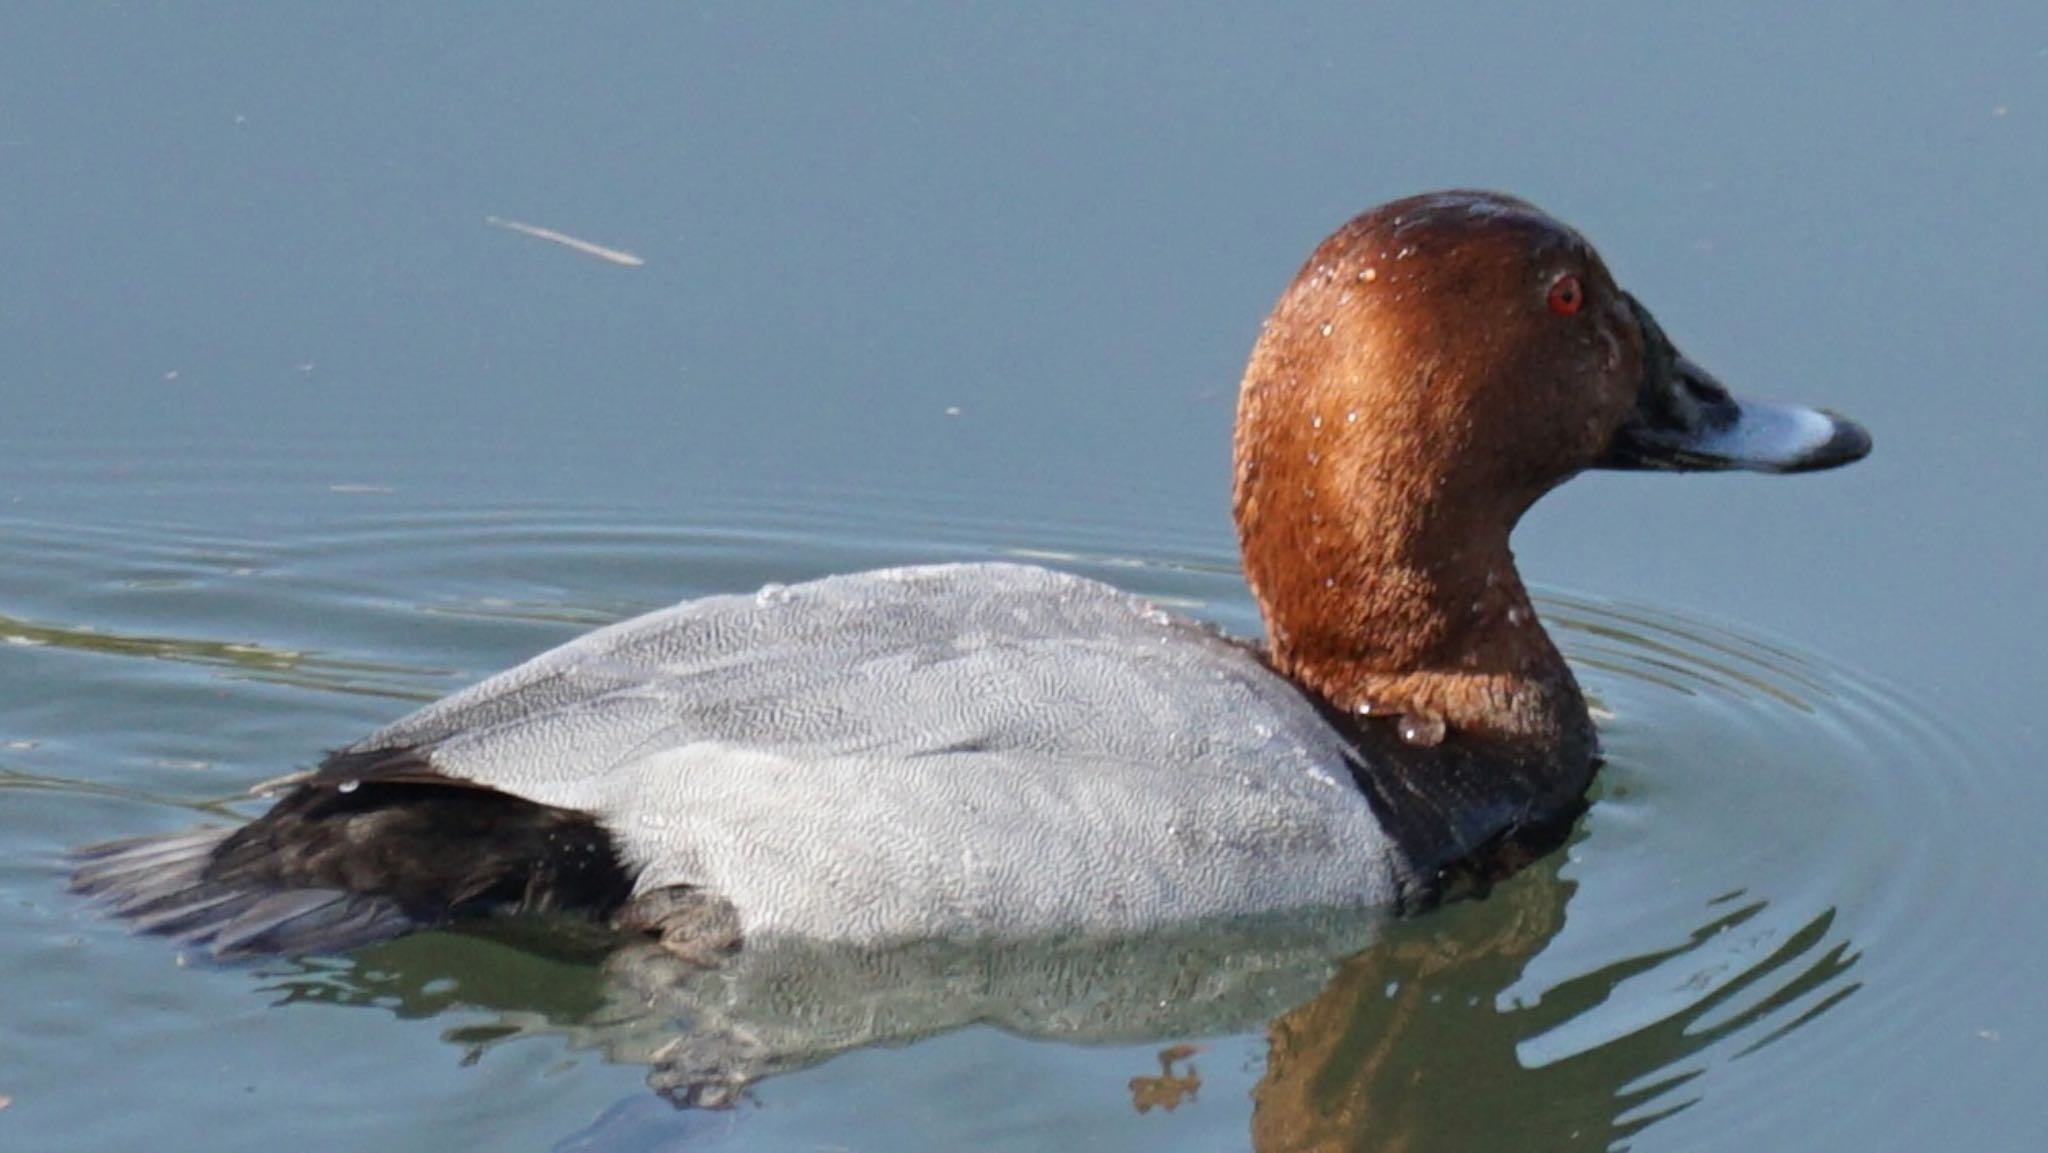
(162, 884)
(333, 867)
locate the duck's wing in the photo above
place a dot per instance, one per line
(928, 751)
(891, 663)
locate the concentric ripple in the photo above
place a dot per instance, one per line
(1776, 842)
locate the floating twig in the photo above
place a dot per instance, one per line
(614, 255)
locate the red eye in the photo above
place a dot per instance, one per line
(1566, 296)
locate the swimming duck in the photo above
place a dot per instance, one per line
(999, 751)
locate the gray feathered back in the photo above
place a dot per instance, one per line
(964, 751)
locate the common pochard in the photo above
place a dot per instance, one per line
(1001, 751)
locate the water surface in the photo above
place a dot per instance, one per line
(293, 439)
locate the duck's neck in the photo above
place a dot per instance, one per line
(1403, 607)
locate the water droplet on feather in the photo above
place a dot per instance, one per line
(1425, 730)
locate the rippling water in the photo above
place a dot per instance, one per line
(1760, 895)
(927, 283)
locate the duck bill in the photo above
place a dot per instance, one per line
(1685, 421)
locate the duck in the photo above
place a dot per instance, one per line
(997, 751)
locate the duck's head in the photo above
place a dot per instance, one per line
(1439, 364)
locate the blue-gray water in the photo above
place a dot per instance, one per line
(291, 438)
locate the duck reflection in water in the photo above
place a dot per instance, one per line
(1417, 1040)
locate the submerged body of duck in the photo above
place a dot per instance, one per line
(1002, 751)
